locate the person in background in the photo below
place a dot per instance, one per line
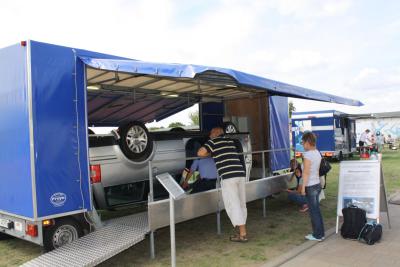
(208, 175)
(364, 138)
(379, 141)
(311, 186)
(295, 195)
(295, 167)
(232, 173)
(390, 141)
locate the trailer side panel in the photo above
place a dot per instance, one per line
(279, 123)
(60, 131)
(15, 164)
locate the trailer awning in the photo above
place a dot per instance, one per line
(179, 86)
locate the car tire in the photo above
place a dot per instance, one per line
(64, 231)
(136, 142)
(229, 128)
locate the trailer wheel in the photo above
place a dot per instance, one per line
(63, 232)
(229, 128)
(136, 143)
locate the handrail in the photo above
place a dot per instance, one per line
(242, 153)
(151, 186)
(151, 162)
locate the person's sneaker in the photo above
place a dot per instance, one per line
(312, 238)
(304, 208)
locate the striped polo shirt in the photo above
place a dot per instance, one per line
(225, 154)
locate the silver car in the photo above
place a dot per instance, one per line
(119, 161)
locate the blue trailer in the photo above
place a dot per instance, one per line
(335, 131)
(45, 188)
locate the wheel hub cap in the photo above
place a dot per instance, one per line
(136, 139)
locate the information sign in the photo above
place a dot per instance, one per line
(171, 185)
(359, 185)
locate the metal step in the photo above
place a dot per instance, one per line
(116, 236)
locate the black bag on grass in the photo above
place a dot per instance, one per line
(354, 220)
(371, 233)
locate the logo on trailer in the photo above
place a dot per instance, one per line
(58, 199)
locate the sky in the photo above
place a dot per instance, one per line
(343, 47)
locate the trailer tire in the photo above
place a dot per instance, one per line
(229, 127)
(136, 143)
(64, 231)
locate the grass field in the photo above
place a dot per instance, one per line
(199, 245)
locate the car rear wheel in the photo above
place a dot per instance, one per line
(229, 128)
(136, 143)
(63, 232)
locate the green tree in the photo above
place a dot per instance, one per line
(175, 124)
(292, 108)
(194, 117)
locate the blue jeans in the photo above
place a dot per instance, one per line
(312, 195)
(297, 198)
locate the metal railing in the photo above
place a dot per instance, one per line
(151, 162)
(205, 195)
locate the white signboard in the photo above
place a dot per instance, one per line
(171, 185)
(359, 185)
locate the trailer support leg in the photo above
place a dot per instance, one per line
(219, 222)
(264, 203)
(152, 250)
(172, 230)
(219, 206)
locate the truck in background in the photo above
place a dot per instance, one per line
(335, 131)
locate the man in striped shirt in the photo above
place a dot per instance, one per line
(232, 173)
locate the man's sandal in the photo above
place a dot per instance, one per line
(238, 238)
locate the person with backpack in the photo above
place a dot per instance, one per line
(311, 187)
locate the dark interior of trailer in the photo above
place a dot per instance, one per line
(116, 99)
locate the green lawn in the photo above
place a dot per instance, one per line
(199, 245)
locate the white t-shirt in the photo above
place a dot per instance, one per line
(363, 137)
(315, 157)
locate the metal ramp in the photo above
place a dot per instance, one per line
(116, 236)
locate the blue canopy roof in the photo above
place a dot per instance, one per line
(221, 82)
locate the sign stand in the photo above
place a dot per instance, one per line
(361, 183)
(383, 201)
(175, 193)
